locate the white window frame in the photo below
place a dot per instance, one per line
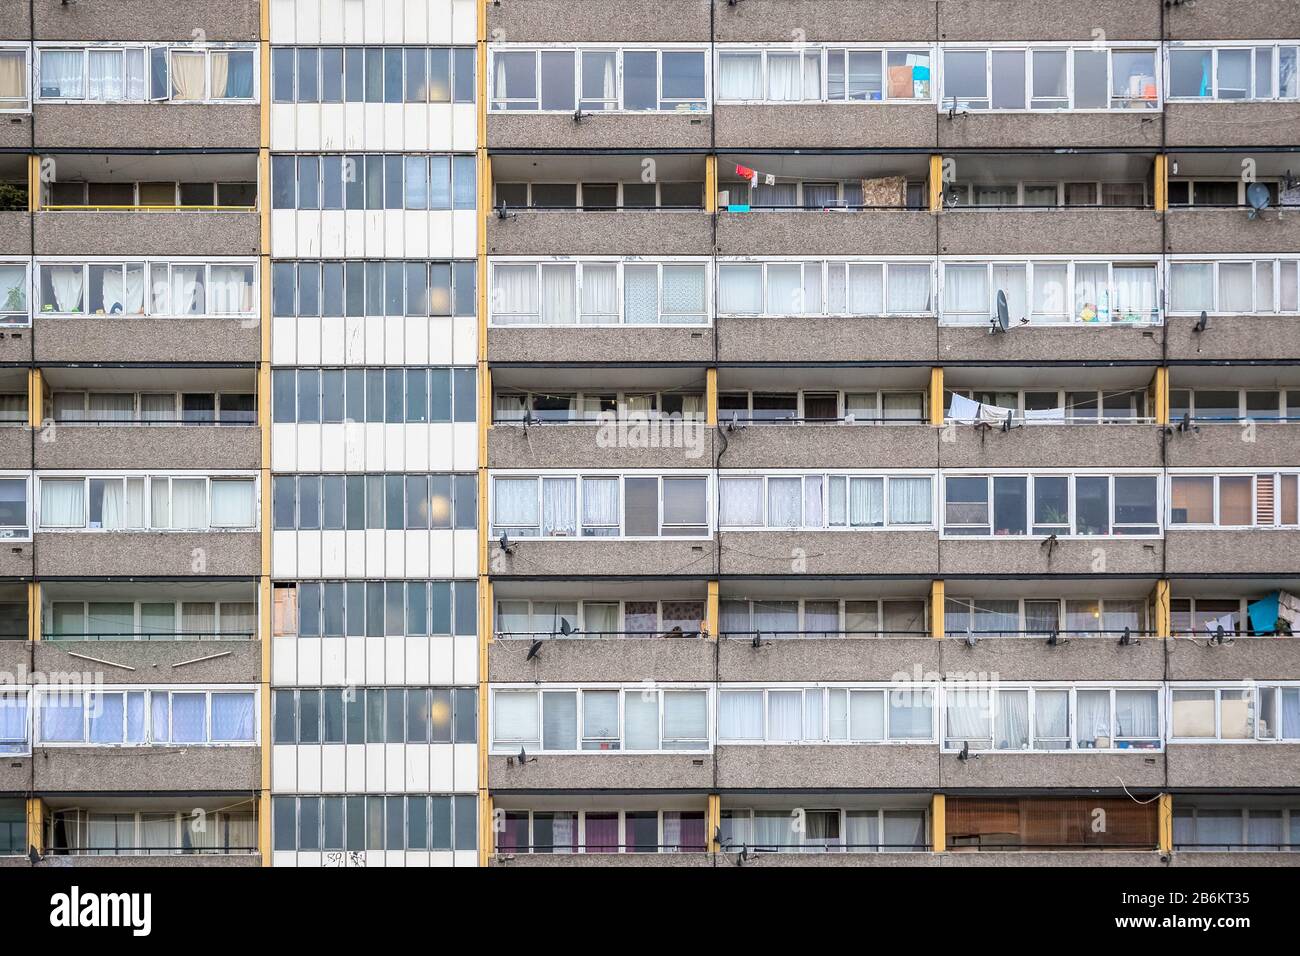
(825, 478)
(841, 406)
(972, 605)
(823, 264)
(666, 320)
(512, 747)
(205, 49)
(13, 532)
(29, 289)
(14, 46)
(1068, 318)
(840, 846)
(955, 745)
(805, 632)
(1278, 263)
(1288, 815)
(157, 270)
(1214, 48)
(1219, 473)
(822, 52)
(1062, 396)
(137, 613)
(701, 107)
(1251, 689)
(577, 476)
(947, 101)
(1072, 475)
(582, 416)
(580, 622)
(25, 744)
(148, 477)
(927, 690)
(89, 693)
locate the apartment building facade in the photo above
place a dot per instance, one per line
(684, 433)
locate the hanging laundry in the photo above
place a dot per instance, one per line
(1045, 415)
(1228, 622)
(1263, 614)
(963, 409)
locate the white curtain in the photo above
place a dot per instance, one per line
(866, 715)
(187, 290)
(813, 509)
(776, 617)
(904, 830)
(902, 406)
(837, 291)
(775, 195)
(785, 289)
(686, 717)
(105, 75)
(559, 506)
(559, 288)
(784, 503)
(741, 502)
(862, 831)
(866, 502)
(189, 504)
(63, 503)
(968, 717)
(68, 283)
(910, 714)
(112, 513)
(1135, 292)
(909, 500)
(13, 720)
(232, 503)
(135, 75)
(784, 716)
(683, 294)
(61, 74)
(1092, 292)
(1011, 729)
(13, 75)
(231, 289)
(1191, 287)
(514, 290)
(1092, 720)
(641, 295)
(189, 718)
(1235, 285)
(785, 81)
(1051, 719)
(640, 716)
(515, 717)
(232, 717)
(1291, 713)
(740, 76)
(600, 293)
(774, 830)
(112, 406)
(1264, 829)
(516, 502)
(866, 289)
(239, 618)
(600, 503)
(1136, 714)
(966, 289)
(1009, 278)
(740, 289)
(1263, 286)
(1050, 281)
(740, 715)
(909, 288)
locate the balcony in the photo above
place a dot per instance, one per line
(145, 553)
(1044, 446)
(575, 345)
(1062, 231)
(1128, 129)
(609, 771)
(827, 339)
(800, 657)
(15, 220)
(612, 232)
(1138, 768)
(158, 205)
(1226, 765)
(1258, 551)
(827, 766)
(1213, 443)
(153, 18)
(626, 657)
(1077, 656)
(1231, 124)
(642, 131)
(829, 552)
(642, 557)
(645, 21)
(1022, 555)
(158, 769)
(841, 125)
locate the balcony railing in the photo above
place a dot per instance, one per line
(596, 635)
(763, 635)
(144, 208)
(150, 636)
(1053, 634)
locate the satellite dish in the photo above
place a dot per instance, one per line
(1258, 198)
(1001, 317)
(565, 628)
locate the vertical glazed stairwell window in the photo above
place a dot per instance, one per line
(581, 79)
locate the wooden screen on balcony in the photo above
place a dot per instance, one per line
(1051, 823)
